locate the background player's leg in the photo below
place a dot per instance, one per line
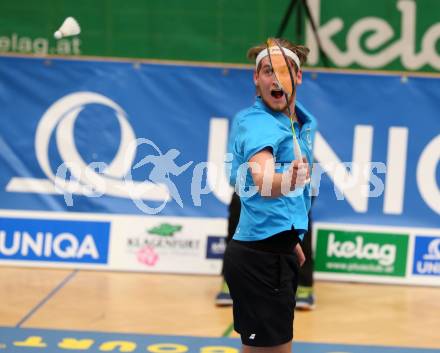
(223, 298)
(305, 298)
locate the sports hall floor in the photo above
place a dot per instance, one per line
(42, 309)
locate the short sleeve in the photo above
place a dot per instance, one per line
(257, 132)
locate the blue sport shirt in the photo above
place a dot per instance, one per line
(254, 129)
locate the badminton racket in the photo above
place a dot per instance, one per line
(284, 77)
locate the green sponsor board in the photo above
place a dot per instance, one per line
(365, 253)
(377, 34)
(193, 30)
(374, 34)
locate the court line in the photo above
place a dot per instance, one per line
(44, 301)
(229, 330)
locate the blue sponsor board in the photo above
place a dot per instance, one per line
(20, 340)
(427, 256)
(74, 113)
(54, 240)
(215, 247)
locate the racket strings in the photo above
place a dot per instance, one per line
(284, 78)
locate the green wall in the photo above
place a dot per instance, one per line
(222, 31)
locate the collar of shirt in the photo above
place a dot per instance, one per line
(301, 112)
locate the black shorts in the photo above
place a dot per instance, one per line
(262, 286)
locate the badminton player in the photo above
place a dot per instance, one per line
(261, 262)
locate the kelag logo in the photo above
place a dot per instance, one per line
(215, 247)
(427, 256)
(364, 253)
(54, 240)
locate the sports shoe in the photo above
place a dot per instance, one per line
(305, 299)
(223, 298)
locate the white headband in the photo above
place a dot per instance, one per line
(276, 50)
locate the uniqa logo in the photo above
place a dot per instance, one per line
(46, 245)
(433, 251)
(376, 32)
(218, 247)
(113, 179)
(430, 265)
(384, 254)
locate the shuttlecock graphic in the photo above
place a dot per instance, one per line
(70, 27)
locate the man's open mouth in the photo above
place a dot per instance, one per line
(276, 93)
